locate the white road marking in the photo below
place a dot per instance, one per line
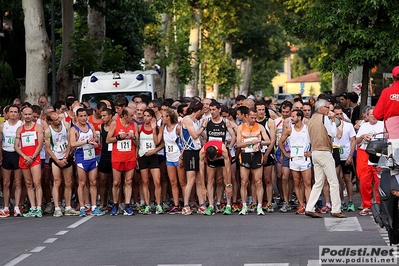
(346, 224)
(313, 263)
(61, 233)
(81, 221)
(17, 260)
(266, 264)
(179, 264)
(50, 240)
(37, 249)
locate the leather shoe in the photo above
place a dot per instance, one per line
(339, 215)
(313, 214)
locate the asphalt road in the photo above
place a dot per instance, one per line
(274, 239)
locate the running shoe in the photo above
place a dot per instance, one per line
(62, 208)
(194, 207)
(136, 206)
(4, 214)
(364, 212)
(235, 207)
(269, 207)
(30, 213)
(57, 213)
(285, 207)
(210, 210)
(259, 211)
(344, 207)
(152, 206)
(103, 208)
(360, 207)
(82, 212)
(71, 212)
(244, 211)
(141, 209)
(147, 210)
(88, 210)
(174, 210)
(186, 211)
(128, 210)
(48, 209)
(351, 207)
(227, 210)
(97, 212)
(264, 205)
(165, 206)
(202, 209)
(218, 208)
(159, 210)
(300, 210)
(17, 212)
(252, 207)
(326, 209)
(38, 213)
(114, 210)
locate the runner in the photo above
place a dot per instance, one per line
(28, 143)
(82, 137)
(249, 139)
(9, 159)
(56, 142)
(123, 136)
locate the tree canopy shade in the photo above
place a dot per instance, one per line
(353, 32)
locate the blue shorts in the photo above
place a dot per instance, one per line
(286, 160)
(88, 165)
(98, 158)
(175, 164)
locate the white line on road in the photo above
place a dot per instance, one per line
(179, 264)
(50, 240)
(81, 221)
(61, 233)
(347, 224)
(266, 264)
(37, 249)
(314, 263)
(17, 260)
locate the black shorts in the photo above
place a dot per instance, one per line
(10, 160)
(346, 169)
(69, 164)
(148, 162)
(336, 157)
(270, 160)
(251, 160)
(191, 160)
(215, 163)
(161, 158)
(233, 160)
(105, 165)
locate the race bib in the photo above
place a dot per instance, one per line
(297, 151)
(9, 141)
(251, 147)
(110, 146)
(88, 152)
(171, 148)
(148, 145)
(124, 145)
(28, 138)
(61, 147)
(215, 138)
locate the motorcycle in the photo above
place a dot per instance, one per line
(385, 152)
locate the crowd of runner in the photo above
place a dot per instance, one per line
(185, 156)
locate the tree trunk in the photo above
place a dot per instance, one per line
(172, 77)
(339, 84)
(37, 48)
(247, 76)
(64, 75)
(192, 87)
(96, 24)
(365, 86)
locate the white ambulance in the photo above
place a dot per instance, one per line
(107, 85)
